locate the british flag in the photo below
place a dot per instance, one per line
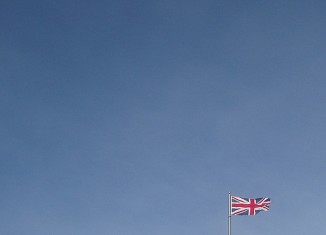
(249, 206)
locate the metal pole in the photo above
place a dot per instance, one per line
(229, 215)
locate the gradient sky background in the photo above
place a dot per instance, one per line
(138, 117)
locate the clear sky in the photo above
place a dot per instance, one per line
(138, 117)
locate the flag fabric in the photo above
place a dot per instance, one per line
(249, 206)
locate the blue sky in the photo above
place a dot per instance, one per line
(138, 117)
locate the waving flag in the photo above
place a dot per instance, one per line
(249, 206)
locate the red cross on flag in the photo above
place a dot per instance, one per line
(249, 206)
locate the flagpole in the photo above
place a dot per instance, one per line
(229, 215)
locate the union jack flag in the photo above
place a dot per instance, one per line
(249, 206)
